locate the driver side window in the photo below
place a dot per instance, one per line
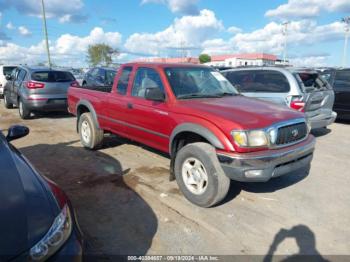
(146, 78)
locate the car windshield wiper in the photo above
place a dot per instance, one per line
(189, 96)
(226, 94)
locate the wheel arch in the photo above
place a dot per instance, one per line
(86, 107)
(190, 130)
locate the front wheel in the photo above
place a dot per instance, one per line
(23, 110)
(200, 176)
(90, 136)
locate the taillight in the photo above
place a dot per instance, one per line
(58, 193)
(34, 85)
(75, 84)
(297, 103)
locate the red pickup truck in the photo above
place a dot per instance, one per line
(211, 132)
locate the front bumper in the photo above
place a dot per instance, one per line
(264, 165)
(322, 119)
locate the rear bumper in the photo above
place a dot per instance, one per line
(323, 119)
(262, 166)
(41, 104)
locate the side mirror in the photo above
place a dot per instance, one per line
(154, 94)
(8, 77)
(16, 132)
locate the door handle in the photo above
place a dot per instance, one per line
(130, 106)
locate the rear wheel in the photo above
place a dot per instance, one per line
(90, 136)
(23, 110)
(200, 176)
(7, 103)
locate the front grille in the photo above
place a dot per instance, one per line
(291, 134)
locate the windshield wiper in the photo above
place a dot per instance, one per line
(189, 96)
(226, 94)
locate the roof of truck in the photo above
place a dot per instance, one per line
(156, 64)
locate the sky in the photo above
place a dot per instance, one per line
(168, 28)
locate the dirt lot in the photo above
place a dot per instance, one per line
(126, 205)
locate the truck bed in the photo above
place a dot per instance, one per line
(105, 89)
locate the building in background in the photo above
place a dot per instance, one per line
(235, 60)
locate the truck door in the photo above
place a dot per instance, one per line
(149, 121)
(116, 113)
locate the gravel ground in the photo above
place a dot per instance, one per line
(126, 205)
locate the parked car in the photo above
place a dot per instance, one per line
(194, 114)
(99, 77)
(340, 80)
(37, 221)
(299, 88)
(5, 70)
(37, 89)
(78, 75)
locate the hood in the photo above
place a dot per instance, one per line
(26, 213)
(242, 112)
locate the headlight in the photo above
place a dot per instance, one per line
(308, 124)
(254, 138)
(54, 238)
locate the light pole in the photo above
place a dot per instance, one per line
(45, 33)
(346, 21)
(285, 34)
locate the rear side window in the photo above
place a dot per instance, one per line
(7, 70)
(342, 79)
(52, 76)
(21, 75)
(124, 80)
(259, 81)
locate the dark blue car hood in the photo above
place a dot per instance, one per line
(26, 208)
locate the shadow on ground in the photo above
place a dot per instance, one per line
(304, 238)
(114, 219)
(270, 186)
(318, 132)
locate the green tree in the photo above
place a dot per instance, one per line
(100, 54)
(204, 58)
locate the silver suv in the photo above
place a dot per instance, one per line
(299, 88)
(37, 89)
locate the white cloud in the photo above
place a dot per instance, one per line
(66, 50)
(187, 7)
(270, 39)
(308, 8)
(189, 31)
(10, 26)
(310, 61)
(234, 30)
(24, 31)
(53, 8)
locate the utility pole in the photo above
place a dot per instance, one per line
(45, 32)
(346, 21)
(285, 34)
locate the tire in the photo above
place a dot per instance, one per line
(7, 103)
(217, 183)
(23, 110)
(90, 136)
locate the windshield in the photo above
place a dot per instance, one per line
(198, 82)
(53, 76)
(7, 70)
